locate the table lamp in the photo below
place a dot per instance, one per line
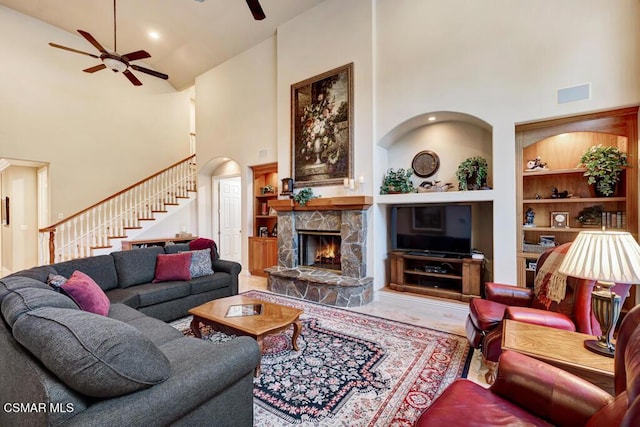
(608, 257)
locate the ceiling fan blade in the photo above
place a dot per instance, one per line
(138, 54)
(148, 71)
(133, 79)
(93, 41)
(94, 69)
(74, 50)
(256, 10)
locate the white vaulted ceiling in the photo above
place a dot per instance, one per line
(194, 36)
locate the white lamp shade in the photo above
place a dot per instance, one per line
(610, 256)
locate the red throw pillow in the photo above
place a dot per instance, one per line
(86, 293)
(173, 267)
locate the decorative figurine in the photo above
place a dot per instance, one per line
(536, 164)
(530, 215)
(555, 194)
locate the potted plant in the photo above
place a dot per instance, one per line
(472, 173)
(604, 165)
(304, 195)
(397, 181)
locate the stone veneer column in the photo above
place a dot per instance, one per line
(287, 240)
(354, 243)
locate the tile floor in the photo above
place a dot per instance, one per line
(443, 315)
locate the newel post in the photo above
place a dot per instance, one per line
(52, 246)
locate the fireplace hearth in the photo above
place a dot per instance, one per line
(322, 251)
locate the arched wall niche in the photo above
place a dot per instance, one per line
(453, 136)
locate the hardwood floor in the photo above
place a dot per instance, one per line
(435, 313)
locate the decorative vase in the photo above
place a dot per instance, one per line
(317, 149)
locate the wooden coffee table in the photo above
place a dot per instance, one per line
(273, 318)
(559, 348)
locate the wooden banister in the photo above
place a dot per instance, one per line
(78, 234)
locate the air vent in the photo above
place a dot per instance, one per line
(574, 93)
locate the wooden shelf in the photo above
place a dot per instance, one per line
(263, 250)
(598, 200)
(542, 172)
(560, 143)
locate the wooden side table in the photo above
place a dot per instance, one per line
(559, 348)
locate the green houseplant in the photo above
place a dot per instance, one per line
(604, 165)
(472, 173)
(397, 181)
(304, 195)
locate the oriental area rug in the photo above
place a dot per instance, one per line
(351, 368)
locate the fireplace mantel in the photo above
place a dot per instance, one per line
(340, 203)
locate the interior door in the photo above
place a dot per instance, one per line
(230, 219)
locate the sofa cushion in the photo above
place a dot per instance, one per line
(136, 266)
(13, 282)
(155, 293)
(100, 268)
(210, 283)
(172, 267)
(94, 355)
(86, 293)
(21, 301)
(39, 273)
(200, 263)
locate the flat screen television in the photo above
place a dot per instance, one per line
(432, 229)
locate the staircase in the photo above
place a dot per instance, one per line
(96, 227)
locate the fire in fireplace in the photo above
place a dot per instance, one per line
(319, 249)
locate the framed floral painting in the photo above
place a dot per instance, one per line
(322, 128)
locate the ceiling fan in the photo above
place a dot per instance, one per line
(113, 60)
(256, 10)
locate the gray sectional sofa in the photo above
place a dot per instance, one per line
(61, 365)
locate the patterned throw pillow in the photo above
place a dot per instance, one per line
(200, 263)
(56, 281)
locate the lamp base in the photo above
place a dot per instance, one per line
(594, 346)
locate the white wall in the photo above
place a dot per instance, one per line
(236, 119)
(98, 132)
(500, 61)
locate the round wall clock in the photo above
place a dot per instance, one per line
(425, 163)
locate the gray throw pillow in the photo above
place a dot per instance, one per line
(92, 354)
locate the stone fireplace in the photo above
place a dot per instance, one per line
(335, 276)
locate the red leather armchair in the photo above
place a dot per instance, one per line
(530, 392)
(573, 313)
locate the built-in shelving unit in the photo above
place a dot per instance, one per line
(263, 245)
(560, 144)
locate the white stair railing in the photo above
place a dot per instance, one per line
(92, 228)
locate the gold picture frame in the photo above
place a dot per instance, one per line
(322, 128)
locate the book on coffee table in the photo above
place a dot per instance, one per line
(244, 310)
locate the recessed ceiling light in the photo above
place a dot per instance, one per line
(154, 35)
(432, 118)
